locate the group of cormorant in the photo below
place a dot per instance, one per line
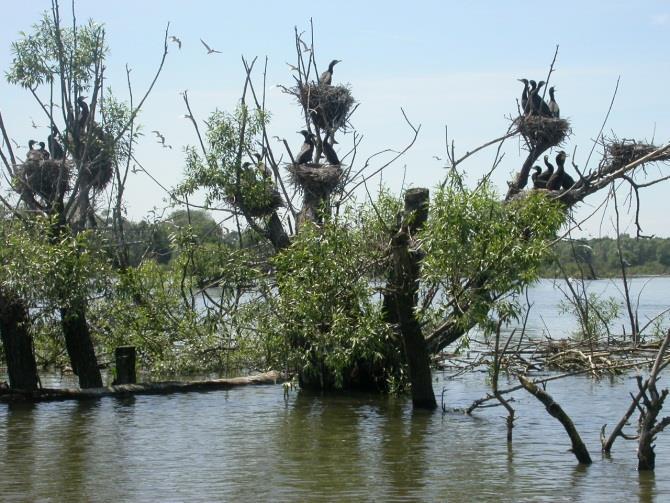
(56, 150)
(551, 179)
(532, 102)
(307, 147)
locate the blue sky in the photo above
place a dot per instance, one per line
(445, 63)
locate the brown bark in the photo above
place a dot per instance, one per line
(17, 343)
(401, 299)
(79, 345)
(578, 448)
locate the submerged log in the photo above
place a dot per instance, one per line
(158, 388)
(578, 448)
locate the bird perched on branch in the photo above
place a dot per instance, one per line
(307, 148)
(43, 151)
(524, 96)
(546, 174)
(538, 105)
(327, 76)
(55, 148)
(328, 151)
(537, 183)
(556, 180)
(553, 106)
(32, 154)
(209, 49)
(83, 113)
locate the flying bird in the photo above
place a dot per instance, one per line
(304, 45)
(176, 41)
(209, 49)
(161, 139)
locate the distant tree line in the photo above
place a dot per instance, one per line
(599, 257)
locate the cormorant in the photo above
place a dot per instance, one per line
(531, 92)
(33, 155)
(537, 183)
(54, 147)
(43, 151)
(553, 106)
(83, 112)
(327, 76)
(524, 96)
(556, 180)
(307, 148)
(328, 151)
(546, 174)
(539, 106)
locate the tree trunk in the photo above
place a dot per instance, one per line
(17, 342)
(401, 299)
(80, 346)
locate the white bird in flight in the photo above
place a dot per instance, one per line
(209, 49)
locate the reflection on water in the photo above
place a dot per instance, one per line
(252, 443)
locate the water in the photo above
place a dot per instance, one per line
(253, 444)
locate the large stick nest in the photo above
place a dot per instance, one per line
(538, 129)
(316, 178)
(623, 152)
(328, 105)
(44, 178)
(256, 198)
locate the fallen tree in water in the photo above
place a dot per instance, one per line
(122, 390)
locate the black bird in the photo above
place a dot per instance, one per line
(54, 147)
(524, 96)
(33, 155)
(556, 180)
(329, 152)
(538, 105)
(537, 183)
(327, 76)
(553, 106)
(531, 91)
(307, 148)
(546, 174)
(43, 151)
(83, 112)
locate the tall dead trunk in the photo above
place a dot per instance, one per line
(79, 345)
(401, 299)
(17, 343)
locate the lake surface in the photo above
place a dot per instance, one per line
(253, 444)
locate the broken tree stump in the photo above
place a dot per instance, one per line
(125, 365)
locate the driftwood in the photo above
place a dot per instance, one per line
(578, 448)
(158, 388)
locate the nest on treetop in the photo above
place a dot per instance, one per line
(328, 105)
(316, 178)
(538, 129)
(44, 178)
(256, 198)
(624, 152)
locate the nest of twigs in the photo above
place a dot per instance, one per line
(328, 105)
(316, 178)
(43, 178)
(256, 198)
(538, 129)
(622, 153)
